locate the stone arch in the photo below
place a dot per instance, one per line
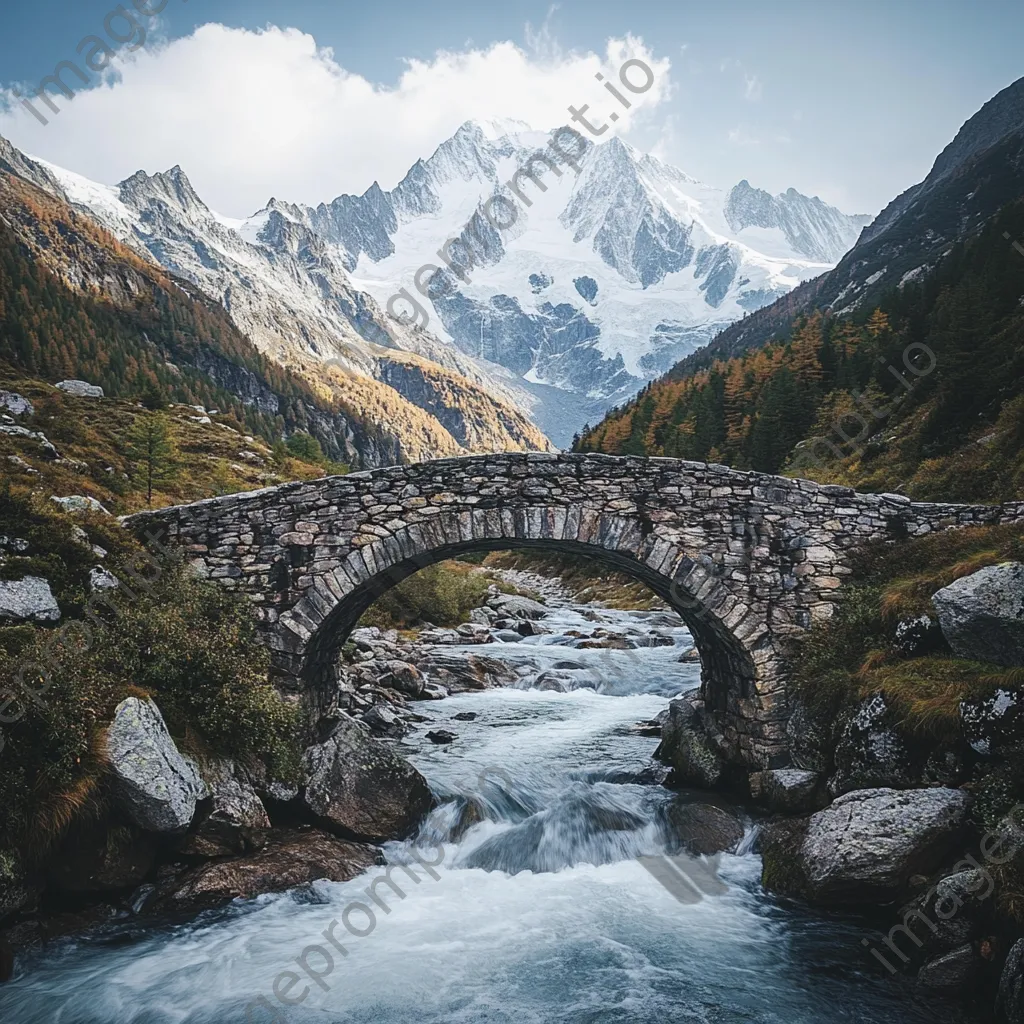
(308, 637)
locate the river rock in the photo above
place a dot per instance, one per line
(80, 388)
(1010, 1000)
(153, 784)
(360, 786)
(870, 753)
(704, 829)
(950, 913)
(383, 721)
(402, 676)
(951, 972)
(441, 736)
(515, 607)
(994, 725)
(787, 790)
(96, 857)
(290, 858)
(507, 636)
(687, 747)
(236, 821)
(982, 615)
(868, 843)
(28, 600)
(810, 743)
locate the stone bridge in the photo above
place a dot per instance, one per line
(746, 559)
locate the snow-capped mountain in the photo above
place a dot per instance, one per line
(607, 277)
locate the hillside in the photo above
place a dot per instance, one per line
(921, 393)
(75, 302)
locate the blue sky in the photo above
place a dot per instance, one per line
(850, 101)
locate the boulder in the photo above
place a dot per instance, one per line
(994, 725)
(507, 636)
(290, 858)
(810, 743)
(402, 676)
(982, 615)
(951, 972)
(383, 721)
(152, 783)
(1010, 999)
(703, 829)
(441, 736)
(787, 790)
(28, 600)
(555, 681)
(15, 404)
(870, 753)
(49, 451)
(918, 637)
(95, 857)
(79, 503)
(868, 843)
(236, 821)
(515, 607)
(102, 579)
(951, 912)
(529, 627)
(361, 787)
(687, 747)
(690, 657)
(80, 388)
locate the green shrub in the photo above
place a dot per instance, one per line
(444, 593)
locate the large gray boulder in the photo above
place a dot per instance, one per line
(15, 404)
(80, 388)
(868, 843)
(787, 790)
(236, 821)
(153, 784)
(703, 829)
(28, 600)
(870, 753)
(79, 503)
(687, 744)
(982, 615)
(359, 786)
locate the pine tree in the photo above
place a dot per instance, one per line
(152, 451)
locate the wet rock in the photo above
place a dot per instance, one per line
(868, 843)
(515, 607)
(80, 388)
(360, 786)
(556, 682)
(982, 615)
(686, 744)
(652, 640)
(610, 643)
(474, 633)
(465, 716)
(690, 657)
(507, 636)
(704, 829)
(28, 600)
(403, 677)
(951, 972)
(870, 753)
(441, 736)
(787, 790)
(383, 721)
(236, 821)
(457, 672)
(783, 869)
(994, 725)
(432, 691)
(528, 627)
(951, 912)
(1010, 999)
(290, 858)
(152, 783)
(96, 857)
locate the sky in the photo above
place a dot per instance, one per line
(304, 100)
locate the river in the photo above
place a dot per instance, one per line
(539, 911)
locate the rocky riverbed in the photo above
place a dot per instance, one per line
(575, 875)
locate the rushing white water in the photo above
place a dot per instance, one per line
(536, 909)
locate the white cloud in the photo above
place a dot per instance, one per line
(250, 114)
(752, 88)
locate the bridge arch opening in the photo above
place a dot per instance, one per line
(316, 629)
